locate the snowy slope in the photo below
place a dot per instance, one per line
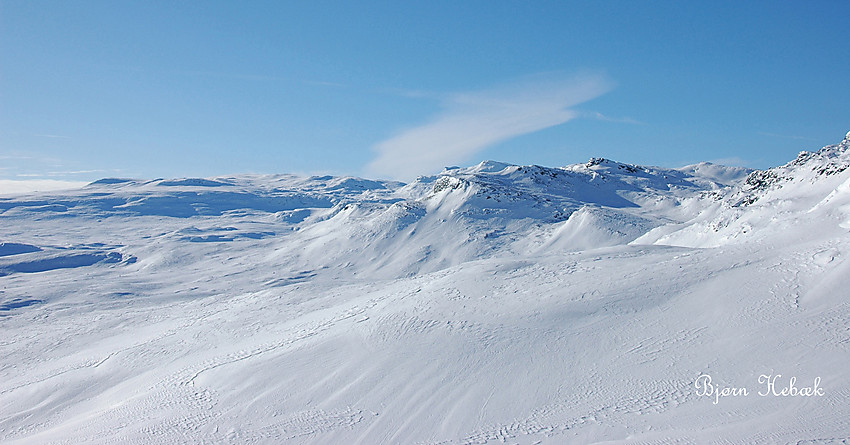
(810, 191)
(489, 304)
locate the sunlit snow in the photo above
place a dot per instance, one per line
(490, 304)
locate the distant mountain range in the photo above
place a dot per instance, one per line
(489, 304)
(488, 209)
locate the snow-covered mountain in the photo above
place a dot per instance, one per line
(395, 229)
(810, 191)
(491, 303)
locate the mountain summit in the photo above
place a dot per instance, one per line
(486, 304)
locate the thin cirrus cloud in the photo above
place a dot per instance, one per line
(473, 121)
(14, 187)
(620, 120)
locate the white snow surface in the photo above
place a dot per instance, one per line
(490, 304)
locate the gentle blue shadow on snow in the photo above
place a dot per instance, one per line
(17, 303)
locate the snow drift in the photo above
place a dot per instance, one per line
(489, 304)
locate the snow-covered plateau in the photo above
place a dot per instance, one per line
(597, 302)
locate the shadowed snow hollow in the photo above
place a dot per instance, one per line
(490, 304)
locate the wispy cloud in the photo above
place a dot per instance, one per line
(35, 166)
(63, 173)
(620, 120)
(52, 136)
(733, 161)
(472, 121)
(16, 157)
(12, 187)
(322, 83)
(17, 164)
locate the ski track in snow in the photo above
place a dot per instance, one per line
(484, 305)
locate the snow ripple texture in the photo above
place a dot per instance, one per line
(490, 304)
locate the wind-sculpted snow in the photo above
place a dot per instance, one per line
(186, 198)
(810, 191)
(42, 263)
(597, 302)
(16, 248)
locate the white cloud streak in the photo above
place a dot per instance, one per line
(620, 120)
(472, 121)
(14, 187)
(52, 136)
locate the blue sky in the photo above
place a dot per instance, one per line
(90, 89)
